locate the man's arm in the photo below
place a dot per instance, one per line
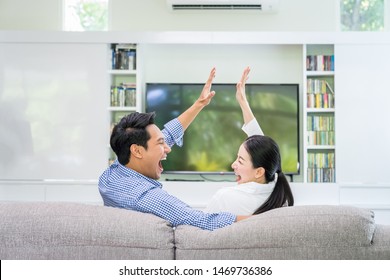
(161, 203)
(204, 99)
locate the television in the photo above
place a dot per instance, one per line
(212, 141)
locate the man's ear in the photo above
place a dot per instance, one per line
(260, 171)
(136, 150)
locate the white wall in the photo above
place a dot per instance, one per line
(153, 15)
(192, 63)
(30, 15)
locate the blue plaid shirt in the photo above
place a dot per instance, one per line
(122, 187)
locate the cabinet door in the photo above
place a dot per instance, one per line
(52, 111)
(363, 114)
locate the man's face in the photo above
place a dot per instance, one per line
(156, 152)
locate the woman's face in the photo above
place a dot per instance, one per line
(244, 170)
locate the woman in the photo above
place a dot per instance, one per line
(262, 186)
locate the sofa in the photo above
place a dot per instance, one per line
(66, 230)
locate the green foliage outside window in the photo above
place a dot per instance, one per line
(362, 15)
(92, 15)
(85, 15)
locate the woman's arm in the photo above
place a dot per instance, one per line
(251, 126)
(241, 97)
(204, 99)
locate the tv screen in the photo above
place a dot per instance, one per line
(211, 142)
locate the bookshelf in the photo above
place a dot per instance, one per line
(124, 86)
(319, 110)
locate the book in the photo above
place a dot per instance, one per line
(124, 56)
(320, 62)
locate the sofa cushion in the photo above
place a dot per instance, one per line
(62, 230)
(299, 232)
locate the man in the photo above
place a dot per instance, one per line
(131, 181)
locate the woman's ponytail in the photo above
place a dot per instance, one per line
(280, 196)
(264, 152)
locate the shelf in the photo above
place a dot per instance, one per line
(124, 109)
(122, 72)
(319, 73)
(321, 147)
(360, 185)
(372, 206)
(320, 110)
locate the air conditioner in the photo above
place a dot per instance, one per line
(267, 6)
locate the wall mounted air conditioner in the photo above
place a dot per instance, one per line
(266, 6)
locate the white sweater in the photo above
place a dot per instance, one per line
(242, 199)
(245, 198)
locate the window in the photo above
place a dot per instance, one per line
(85, 15)
(362, 15)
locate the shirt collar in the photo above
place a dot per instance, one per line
(128, 172)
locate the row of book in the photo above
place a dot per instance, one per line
(320, 100)
(320, 138)
(320, 63)
(124, 56)
(320, 123)
(320, 160)
(123, 96)
(321, 167)
(321, 175)
(318, 86)
(319, 94)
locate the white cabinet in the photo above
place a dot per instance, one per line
(124, 97)
(52, 111)
(319, 114)
(370, 196)
(363, 131)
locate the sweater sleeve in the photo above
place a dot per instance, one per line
(252, 128)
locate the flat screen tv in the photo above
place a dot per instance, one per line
(211, 142)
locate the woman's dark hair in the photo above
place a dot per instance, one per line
(130, 130)
(264, 152)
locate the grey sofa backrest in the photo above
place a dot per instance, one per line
(62, 230)
(299, 232)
